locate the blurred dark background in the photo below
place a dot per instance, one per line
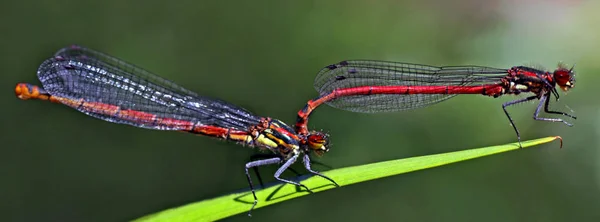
(60, 165)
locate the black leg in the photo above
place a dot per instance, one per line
(539, 107)
(255, 169)
(556, 112)
(507, 104)
(307, 166)
(265, 156)
(284, 167)
(257, 163)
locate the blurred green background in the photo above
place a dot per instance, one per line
(60, 165)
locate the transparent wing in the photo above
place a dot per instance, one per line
(78, 73)
(359, 73)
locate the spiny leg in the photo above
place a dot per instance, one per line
(510, 103)
(539, 107)
(547, 110)
(257, 163)
(265, 156)
(255, 169)
(306, 161)
(284, 167)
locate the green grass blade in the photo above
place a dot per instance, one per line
(232, 204)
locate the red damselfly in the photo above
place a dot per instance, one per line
(378, 86)
(110, 89)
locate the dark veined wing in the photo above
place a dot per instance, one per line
(359, 73)
(78, 73)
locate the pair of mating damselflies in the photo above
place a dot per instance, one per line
(110, 89)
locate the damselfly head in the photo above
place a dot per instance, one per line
(318, 142)
(564, 77)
